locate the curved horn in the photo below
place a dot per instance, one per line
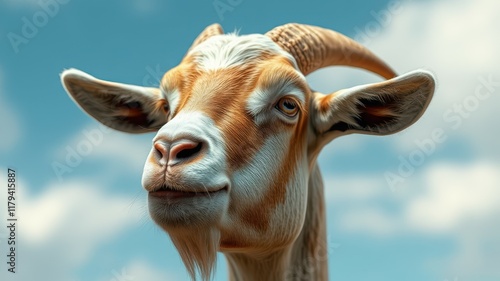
(315, 47)
(209, 31)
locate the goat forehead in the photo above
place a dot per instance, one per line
(218, 92)
(232, 88)
(229, 50)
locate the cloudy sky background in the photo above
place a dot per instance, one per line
(438, 220)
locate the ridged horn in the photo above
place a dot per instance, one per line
(315, 47)
(209, 31)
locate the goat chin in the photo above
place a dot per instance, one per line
(197, 247)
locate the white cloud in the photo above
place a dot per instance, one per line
(455, 201)
(444, 199)
(80, 210)
(141, 270)
(461, 202)
(60, 229)
(454, 196)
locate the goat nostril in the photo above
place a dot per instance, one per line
(160, 149)
(184, 150)
(186, 153)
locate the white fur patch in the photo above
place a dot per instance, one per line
(252, 183)
(252, 180)
(228, 50)
(288, 218)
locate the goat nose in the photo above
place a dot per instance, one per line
(178, 151)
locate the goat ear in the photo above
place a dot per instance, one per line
(127, 108)
(379, 109)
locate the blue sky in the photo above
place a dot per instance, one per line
(439, 222)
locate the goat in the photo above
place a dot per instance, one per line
(233, 165)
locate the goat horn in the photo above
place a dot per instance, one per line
(315, 47)
(209, 31)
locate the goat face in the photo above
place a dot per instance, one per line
(238, 131)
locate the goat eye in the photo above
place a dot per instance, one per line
(288, 107)
(166, 107)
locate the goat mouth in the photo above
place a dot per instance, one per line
(168, 192)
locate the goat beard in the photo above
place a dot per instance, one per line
(197, 247)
